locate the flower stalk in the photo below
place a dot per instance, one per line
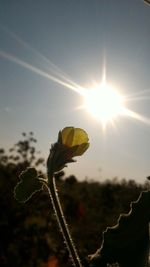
(61, 221)
(71, 142)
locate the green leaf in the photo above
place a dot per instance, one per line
(28, 185)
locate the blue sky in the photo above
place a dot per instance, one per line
(76, 36)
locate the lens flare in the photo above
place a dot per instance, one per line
(103, 102)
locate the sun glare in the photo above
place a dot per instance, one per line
(104, 103)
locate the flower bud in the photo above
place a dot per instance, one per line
(71, 142)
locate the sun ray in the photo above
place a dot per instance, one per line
(137, 98)
(51, 66)
(138, 93)
(134, 115)
(104, 73)
(38, 71)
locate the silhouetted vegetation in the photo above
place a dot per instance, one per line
(29, 235)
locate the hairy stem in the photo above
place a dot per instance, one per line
(61, 220)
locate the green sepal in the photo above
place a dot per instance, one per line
(28, 185)
(81, 149)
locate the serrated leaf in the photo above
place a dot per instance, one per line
(128, 242)
(28, 185)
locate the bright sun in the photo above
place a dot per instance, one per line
(104, 103)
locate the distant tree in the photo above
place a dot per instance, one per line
(19, 228)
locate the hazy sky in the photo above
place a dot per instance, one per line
(76, 36)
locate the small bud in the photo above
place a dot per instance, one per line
(71, 142)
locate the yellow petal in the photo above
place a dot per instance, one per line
(67, 136)
(80, 137)
(73, 136)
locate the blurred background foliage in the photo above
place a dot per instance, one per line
(29, 235)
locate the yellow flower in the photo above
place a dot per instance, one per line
(71, 142)
(74, 138)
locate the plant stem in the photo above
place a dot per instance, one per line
(61, 220)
